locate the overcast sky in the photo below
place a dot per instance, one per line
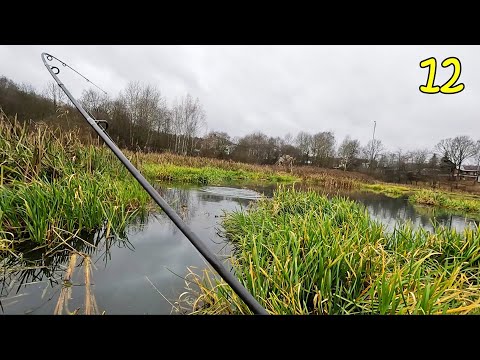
(284, 89)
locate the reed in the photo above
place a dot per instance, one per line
(332, 182)
(394, 191)
(445, 200)
(301, 253)
(209, 175)
(49, 180)
(157, 164)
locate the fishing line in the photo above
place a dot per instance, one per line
(51, 57)
(234, 283)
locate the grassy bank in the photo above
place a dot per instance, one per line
(437, 198)
(445, 200)
(394, 191)
(300, 253)
(209, 175)
(205, 171)
(52, 186)
(172, 167)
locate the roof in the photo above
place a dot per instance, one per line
(470, 168)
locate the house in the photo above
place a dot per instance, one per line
(468, 172)
(465, 171)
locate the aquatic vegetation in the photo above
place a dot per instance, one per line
(332, 182)
(51, 183)
(33, 210)
(439, 212)
(301, 253)
(445, 200)
(390, 190)
(438, 198)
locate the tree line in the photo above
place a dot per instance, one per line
(141, 118)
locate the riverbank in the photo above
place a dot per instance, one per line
(205, 171)
(467, 203)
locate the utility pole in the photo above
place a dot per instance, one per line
(373, 143)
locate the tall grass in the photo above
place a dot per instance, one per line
(32, 210)
(200, 162)
(42, 153)
(394, 191)
(209, 175)
(300, 253)
(50, 182)
(444, 200)
(332, 182)
(162, 165)
(462, 202)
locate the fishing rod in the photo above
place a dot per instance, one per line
(241, 291)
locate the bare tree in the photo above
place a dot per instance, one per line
(402, 159)
(146, 110)
(457, 149)
(188, 118)
(323, 147)
(53, 92)
(162, 121)
(95, 102)
(372, 151)
(477, 155)
(216, 144)
(149, 111)
(348, 150)
(288, 139)
(304, 144)
(253, 148)
(27, 88)
(130, 99)
(419, 158)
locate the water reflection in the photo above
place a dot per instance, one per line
(141, 275)
(393, 212)
(229, 192)
(32, 282)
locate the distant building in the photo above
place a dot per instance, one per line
(468, 172)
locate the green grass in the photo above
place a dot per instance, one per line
(438, 212)
(394, 191)
(209, 175)
(444, 200)
(436, 198)
(38, 210)
(51, 185)
(300, 253)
